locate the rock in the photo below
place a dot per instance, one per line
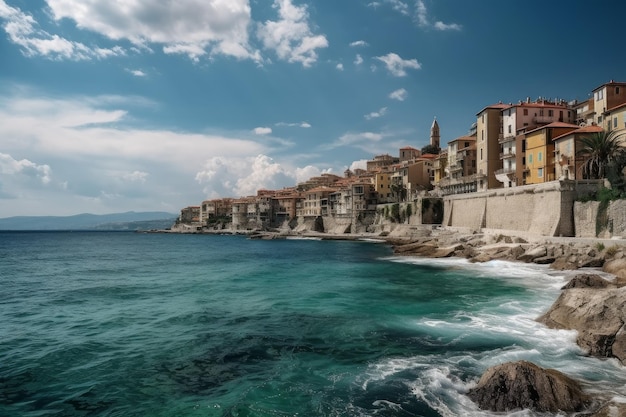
(446, 252)
(596, 262)
(587, 281)
(619, 345)
(544, 260)
(524, 385)
(598, 314)
(611, 410)
(533, 253)
(615, 266)
(564, 263)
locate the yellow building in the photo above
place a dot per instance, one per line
(539, 165)
(382, 185)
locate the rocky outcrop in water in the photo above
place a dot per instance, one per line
(596, 309)
(524, 385)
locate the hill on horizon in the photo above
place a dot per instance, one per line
(116, 221)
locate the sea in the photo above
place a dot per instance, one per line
(148, 324)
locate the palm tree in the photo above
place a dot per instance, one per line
(598, 151)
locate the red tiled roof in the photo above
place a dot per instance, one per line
(554, 124)
(582, 130)
(609, 83)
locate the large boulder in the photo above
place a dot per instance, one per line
(524, 385)
(533, 253)
(616, 267)
(587, 281)
(598, 314)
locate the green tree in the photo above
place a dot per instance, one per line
(432, 149)
(598, 151)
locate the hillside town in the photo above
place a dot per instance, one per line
(531, 142)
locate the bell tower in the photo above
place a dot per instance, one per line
(434, 134)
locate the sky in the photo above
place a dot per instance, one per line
(154, 105)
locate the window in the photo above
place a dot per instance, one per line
(481, 154)
(530, 158)
(615, 122)
(541, 112)
(540, 173)
(525, 112)
(550, 113)
(539, 157)
(509, 128)
(599, 95)
(616, 90)
(599, 119)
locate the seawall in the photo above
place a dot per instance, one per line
(543, 209)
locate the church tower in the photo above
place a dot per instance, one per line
(434, 134)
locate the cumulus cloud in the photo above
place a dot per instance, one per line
(423, 19)
(360, 164)
(23, 30)
(189, 27)
(339, 67)
(262, 130)
(398, 66)
(237, 177)
(93, 152)
(291, 36)
(358, 60)
(400, 94)
(11, 166)
(376, 114)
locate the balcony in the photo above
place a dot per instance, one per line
(508, 153)
(456, 168)
(506, 138)
(507, 171)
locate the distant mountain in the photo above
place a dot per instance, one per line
(118, 221)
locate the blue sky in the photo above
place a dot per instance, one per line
(156, 105)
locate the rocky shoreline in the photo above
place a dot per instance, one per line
(593, 303)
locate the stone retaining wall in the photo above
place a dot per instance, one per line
(594, 219)
(543, 209)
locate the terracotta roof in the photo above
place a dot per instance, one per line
(495, 106)
(463, 138)
(554, 124)
(409, 148)
(610, 83)
(616, 107)
(581, 130)
(429, 156)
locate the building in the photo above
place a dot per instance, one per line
(567, 164)
(540, 152)
(409, 154)
(381, 161)
(190, 215)
(488, 129)
(606, 98)
(435, 136)
(460, 166)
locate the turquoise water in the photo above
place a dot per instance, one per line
(127, 324)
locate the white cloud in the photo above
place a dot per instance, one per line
(423, 20)
(262, 130)
(397, 5)
(85, 142)
(291, 36)
(400, 94)
(376, 114)
(398, 66)
(358, 43)
(358, 60)
(24, 31)
(191, 27)
(339, 67)
(11, 166)
(137, 73)
(304, 125)
(360, 164)
(359, 140)
(237, 177)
